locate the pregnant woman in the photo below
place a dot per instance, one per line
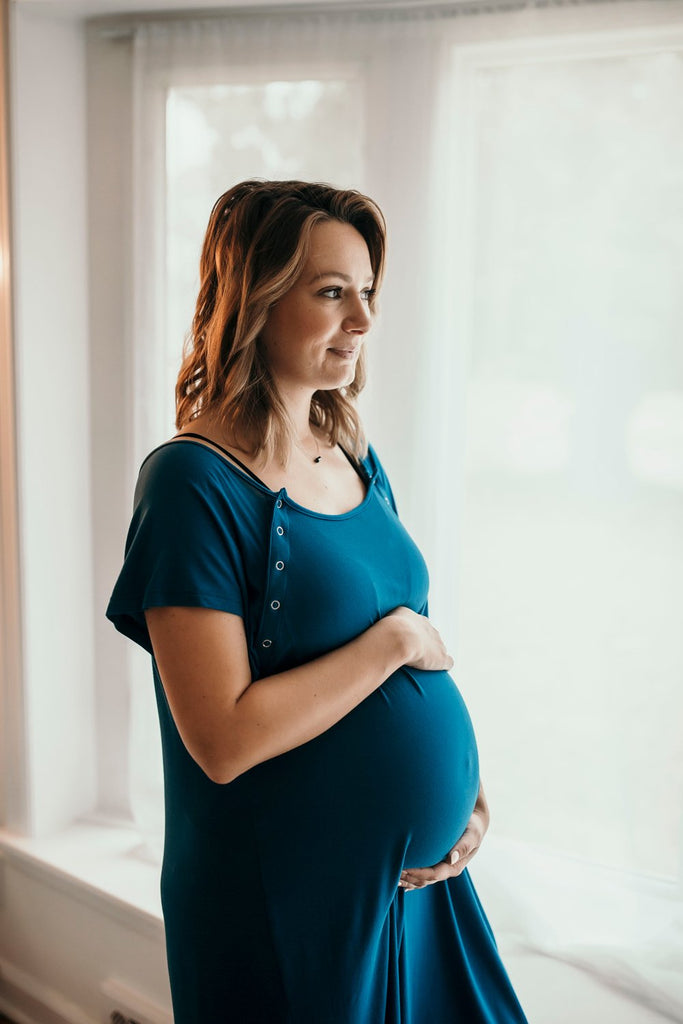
(321, 773)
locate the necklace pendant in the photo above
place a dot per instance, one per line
(317, 458)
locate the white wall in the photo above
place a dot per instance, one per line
(67, 952)
(51, 344)
(61, 940)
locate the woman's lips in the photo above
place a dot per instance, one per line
(344, 353)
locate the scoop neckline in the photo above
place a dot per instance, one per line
(282, 493)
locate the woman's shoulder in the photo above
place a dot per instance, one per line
(180, 466)
(176, 452)
(173, 464)
(372, 462)
(375, 469)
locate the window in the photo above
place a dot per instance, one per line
(259, 124)
(572, 570)
(217, 135)
(525, 389)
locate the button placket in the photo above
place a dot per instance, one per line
(278, 558)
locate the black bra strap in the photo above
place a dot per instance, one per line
(358, 466)
(225, 451)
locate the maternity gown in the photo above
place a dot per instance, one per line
(280, 889)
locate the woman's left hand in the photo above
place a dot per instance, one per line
(458, 857)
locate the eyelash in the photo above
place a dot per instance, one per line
(369, 292)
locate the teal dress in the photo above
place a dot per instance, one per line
(280, 889)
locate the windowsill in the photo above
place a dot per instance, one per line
(106, 866)
(102, 865)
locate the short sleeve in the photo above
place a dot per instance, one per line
(182, 547)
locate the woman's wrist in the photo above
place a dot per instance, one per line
(398, 638)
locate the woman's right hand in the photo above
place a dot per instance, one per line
(428, 650)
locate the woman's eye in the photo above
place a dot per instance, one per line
(335, 293)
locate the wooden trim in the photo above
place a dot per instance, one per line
(13, 807)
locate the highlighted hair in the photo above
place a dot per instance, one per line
(255, 248)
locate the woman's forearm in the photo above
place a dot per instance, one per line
(229, 723)
(282, 711)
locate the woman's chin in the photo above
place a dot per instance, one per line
(335, 381)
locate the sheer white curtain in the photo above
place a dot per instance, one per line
(571, 576)
(526, 394)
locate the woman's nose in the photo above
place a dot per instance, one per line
(358, 317)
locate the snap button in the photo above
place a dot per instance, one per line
(279, 565)
(275, 605)
(278, 503)
(279, 531)
(267, 643)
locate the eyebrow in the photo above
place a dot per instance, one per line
(333, 273)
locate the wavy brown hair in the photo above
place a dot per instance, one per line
(255, 248)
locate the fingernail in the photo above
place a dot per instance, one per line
(455, 857)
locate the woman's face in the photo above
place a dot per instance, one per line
(313, 335)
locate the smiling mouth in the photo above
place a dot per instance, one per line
(344, 353)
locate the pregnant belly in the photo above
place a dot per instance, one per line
(428, 761)
(398, 776)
